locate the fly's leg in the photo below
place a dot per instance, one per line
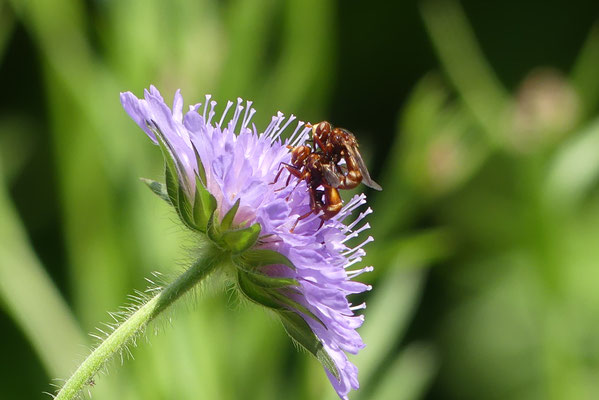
(314, 207)
(306, 215)
(321, 223)
(292, 190)
(293, 171)
(302, 176)
(278, 175)
(282, 166)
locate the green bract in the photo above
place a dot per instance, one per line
(240, 244)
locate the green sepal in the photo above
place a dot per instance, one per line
(201, 170)
(294, 305)
(299, 330)
(255, 293)
(270, 282)
(227, 221)
(257, 258)
(260, 279)
(172, 182)
(250, 262)
(204, 205)
(158, 188)
(213, 231)
(240, 240)
(173, 178)
(185, 210)
(265, 287)
(171, 174)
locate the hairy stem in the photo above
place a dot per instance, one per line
(137, 322)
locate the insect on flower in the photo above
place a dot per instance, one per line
(340, 144)
(222, 170)
(321, 167)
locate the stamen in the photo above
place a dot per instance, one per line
(289, 120)
(208, 97)
(280, 118)
(222, 118)
(212, 112)
(352, 262)
(238, 109)
(358, 307)
(354, 273)
(358, 253)
(248, 108)
(356, 232)
(270, 126)
(361, 199)
(360, 216)
(357, 220)
(252, 112)
(304, 135)
(195, 107)
(297, 128)
(355, 201)
(358, 247)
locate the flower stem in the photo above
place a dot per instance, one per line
(137, 322)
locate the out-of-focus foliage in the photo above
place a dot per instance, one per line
(491, 183)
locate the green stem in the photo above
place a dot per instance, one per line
(137, 322)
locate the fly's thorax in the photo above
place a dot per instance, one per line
(299, 155)
(322, 130)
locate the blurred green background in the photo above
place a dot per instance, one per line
(479, 118)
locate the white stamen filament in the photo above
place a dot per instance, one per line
(358, 307)
(295, 131)
(354, 273)
(233, 122)
(358, 247)
(270, 126)
(304, 135)
(289, 120)
(211, 112)
(354, 203)
(280, 119)
(222, 118)
(252, 112)
(356, 232)
(244, 121)
(352, 262)
(208, 97)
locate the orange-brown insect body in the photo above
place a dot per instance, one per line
(340, 144)
(320, 167)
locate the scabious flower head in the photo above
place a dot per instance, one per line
(220, 173)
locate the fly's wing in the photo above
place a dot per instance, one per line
(366, 179)
(341, 168)
(330, 177)
(350, 135)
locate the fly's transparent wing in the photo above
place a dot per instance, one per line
(330, 177)
(366, 179)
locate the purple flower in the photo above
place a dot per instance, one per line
(239, 165)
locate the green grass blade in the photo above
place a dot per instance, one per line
(399, 292)
(584, 75)
(464, 63)
(31, 299)
(575, 168)
(409, 375)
